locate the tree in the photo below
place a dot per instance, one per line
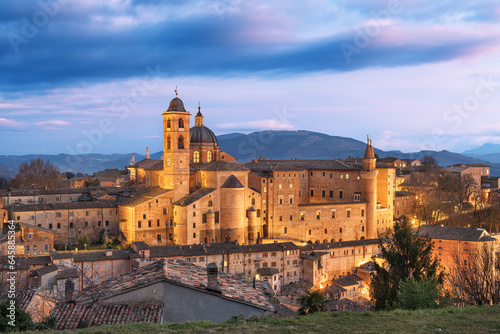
(22, 320)
(312, 301)
(468, 186)
(475, 275)
(414, 295)
(38, 173)
(91, 183)
(408, 255)
(84, 241)
(428, 162)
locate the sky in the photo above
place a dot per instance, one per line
(95, 76)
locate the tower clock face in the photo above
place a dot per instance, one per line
(169, 161)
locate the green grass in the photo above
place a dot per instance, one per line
(484, 319)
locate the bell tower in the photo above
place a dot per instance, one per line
(176, 148)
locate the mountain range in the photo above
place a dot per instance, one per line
(269, 144)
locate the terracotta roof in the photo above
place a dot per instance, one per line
(455, 233)
(217, 248)
(194, 196)
(232, 182)
(147, 164)
(23, 297)
(341, 244)
(335, 288)
(183, 273)
(68, 273)
(46, 230)
(47, 270)
(219, 166)
(268, 271)
(61, 206)
(140, 245)
(404, 193)
(144, 195)
(101, 255)
(263, 165)
(70, 315)
(348, 280)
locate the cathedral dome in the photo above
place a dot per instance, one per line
(200, 135)
(176, 105)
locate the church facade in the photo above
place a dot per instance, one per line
(197, 193)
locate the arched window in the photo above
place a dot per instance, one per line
(169, 146)
(181, 123)
(169, 124)
(209, 156)
(180, 143)
(196, 156)
(228, 238)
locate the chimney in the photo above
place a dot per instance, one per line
(69, 287)
(165, 267)
(212, 273)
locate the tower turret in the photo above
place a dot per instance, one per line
(369, 180)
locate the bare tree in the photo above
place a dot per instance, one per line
(468, 187)
(428, 162)
(475, 277)
(38, 173)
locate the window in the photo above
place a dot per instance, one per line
(46, 248)
(70, 225)
(58, 214)
(180, 143)
(333, 214)
(27, 248)
(194, 225)
(323, 193)
(50, 226)
(99, 223)
(291, 200)
(210, 203)
(285, 230)
(318, 214)
(209, 156)
(196, 156)
(326, 231)
(71, 214)
(121, 263)
(86, 213)
(302, 216)
(107, 222)
(86, 224)
(357, 197)
(169, 145)
(341, 230)
(194, 235)
(157, 223)
(181, 123)
(139, 224)
(310, 231)
(216, 216)
(281, 218)
(291, 217)
(30, 235)
(169, 124)
(362, 212)
(312, 192)
(150, 223)
(144, 216)
(58, 225)
(341, 194)
(362, 228)
(348, 213)
(281, 201)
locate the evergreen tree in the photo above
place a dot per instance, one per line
(312, 301)
(407, 255)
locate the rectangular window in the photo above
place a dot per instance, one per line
(139, 224)
(70, 225)
(86, 213)
(348, 213)
(194, 225)
(99, 223)
(107, 222)
(150, 223)
(210, 203)
(58, 214)
(204, 218)
(194, 235)
(341, 194)
(58, 225)
(318, 214)
(362, 212)
(333, 214)
(71, 214)
(157, 223)
(164, 211)
(312, 192)
(216, 216)
(86, 224)
(50, 226)
(302, 216)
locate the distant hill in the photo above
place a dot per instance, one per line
(291, 144)
(489, 152)
(245, 147)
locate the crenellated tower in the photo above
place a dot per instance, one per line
(176, 154)
(369, 180)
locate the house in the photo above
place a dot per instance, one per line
(180, 290)
(33, 302)
(450, 241)
(353, 284)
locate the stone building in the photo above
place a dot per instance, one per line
(212, 198)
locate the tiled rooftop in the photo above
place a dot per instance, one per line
(144, 195)
(184, 273)
(194, 196)
(455, 233)
(341, 244)
(70, 315)
(61, 206)
(348, 280)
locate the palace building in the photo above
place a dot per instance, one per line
(197, 193)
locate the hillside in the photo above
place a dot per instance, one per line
(245, 147)
(450, 320)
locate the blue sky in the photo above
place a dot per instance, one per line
(94, 76)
